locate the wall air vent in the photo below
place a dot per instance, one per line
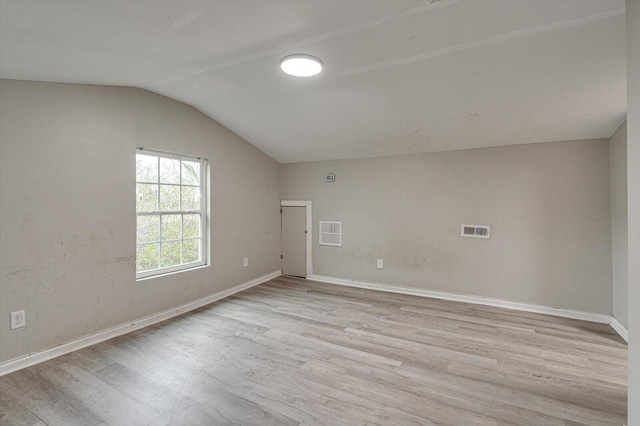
(330, 233)
(475, 231)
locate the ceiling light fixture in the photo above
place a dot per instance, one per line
(301, 65)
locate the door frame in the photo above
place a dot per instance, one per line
(307, 204)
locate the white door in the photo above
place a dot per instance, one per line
(294, 241)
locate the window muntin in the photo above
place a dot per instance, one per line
(171, 229)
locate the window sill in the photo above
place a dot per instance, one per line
(164, 274)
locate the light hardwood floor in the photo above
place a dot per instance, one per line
(294, 352)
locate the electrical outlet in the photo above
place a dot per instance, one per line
(245, 262)
(380, 264)
(17, 320)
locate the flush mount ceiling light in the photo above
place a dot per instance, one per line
(301, 65)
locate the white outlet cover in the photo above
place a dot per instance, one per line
(380, 264)
(245, 262)
(17, 319)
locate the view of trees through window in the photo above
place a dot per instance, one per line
(169, 207)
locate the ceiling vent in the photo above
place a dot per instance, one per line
(475, 231)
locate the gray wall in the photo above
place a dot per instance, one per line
(618, 164)
(548, 206)
(67, 214)
(633, 197)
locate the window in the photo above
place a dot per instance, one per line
(171, 210)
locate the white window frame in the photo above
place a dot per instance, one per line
(203, 212)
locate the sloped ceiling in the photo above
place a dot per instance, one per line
(400, 76)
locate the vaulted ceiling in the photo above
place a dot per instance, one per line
(400, 76)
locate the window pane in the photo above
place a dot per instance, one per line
(146, 197)
(148, 228)
(170, 254)
(171, 225)
(147, 257)
(190, 198)
(146, 168)
(191, 226)
(190, 173)
(191, 251)
(169, 170)
(169, 197)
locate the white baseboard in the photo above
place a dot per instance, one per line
(478, 300)
(620, 329)
(45, 355)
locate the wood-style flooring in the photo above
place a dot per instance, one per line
(294, 352)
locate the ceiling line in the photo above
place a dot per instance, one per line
(187, 19)
(322, 37)
(492, 40)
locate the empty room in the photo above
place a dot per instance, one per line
(320, 212)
